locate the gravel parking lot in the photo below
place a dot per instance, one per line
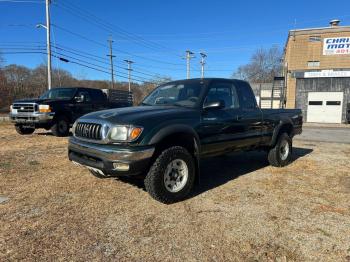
(242, 210)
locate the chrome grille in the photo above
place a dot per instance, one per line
(25, 108)
(88, 130)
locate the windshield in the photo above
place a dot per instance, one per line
(59, 93)
(179, 94)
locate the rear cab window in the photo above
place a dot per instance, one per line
(223, 91)
(246, 96)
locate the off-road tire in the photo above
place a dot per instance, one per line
(24, 130)
(275, 155)
(60, 127)
(154, 181)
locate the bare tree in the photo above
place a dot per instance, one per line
(264, 65)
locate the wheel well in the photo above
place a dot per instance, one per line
(286, 128)
(185, 140)
(182, 139)
(63, 114)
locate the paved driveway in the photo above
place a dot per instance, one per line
(325, 134)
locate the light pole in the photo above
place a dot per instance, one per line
(48, 42)
(203, 55)
(189, 56)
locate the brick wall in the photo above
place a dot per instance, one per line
(299, 50)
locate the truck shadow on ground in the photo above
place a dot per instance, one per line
(219, 170)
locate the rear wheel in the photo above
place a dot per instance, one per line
(281, 154)
(24, 130)
(60, 127)
(171, 176)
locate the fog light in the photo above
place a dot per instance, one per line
(121, 166)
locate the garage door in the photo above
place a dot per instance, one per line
(325, 107)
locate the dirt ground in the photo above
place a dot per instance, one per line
(243, 210)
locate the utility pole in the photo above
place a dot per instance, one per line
(48, 43)
(129, 62)
(189, 56)
(111, 56)
(203, 55)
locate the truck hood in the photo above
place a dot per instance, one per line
(38, 100)
(142, 115)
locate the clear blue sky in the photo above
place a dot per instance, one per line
(155, 33)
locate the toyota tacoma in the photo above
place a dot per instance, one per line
(177, 125)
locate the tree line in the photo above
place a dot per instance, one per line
(18, 81)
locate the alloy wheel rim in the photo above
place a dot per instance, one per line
(176, 175)
(284, 149)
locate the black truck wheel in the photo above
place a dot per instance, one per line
(171, 177)
(281, 154)
(24, 130)
(60, 126)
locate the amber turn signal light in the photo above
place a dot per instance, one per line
(135, 133)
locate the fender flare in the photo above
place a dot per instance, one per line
(281, 124)
(66, 114)
(172, 129)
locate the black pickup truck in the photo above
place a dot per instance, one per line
(58, 108)
(175, 127)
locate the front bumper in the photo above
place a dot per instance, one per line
(105, 157)
(32, 118)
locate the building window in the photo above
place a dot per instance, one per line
(313, 63)
(333, 103)
(315, 103)
(315, 38)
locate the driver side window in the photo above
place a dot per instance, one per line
(225, 92)
(86, 95)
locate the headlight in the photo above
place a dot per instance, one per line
(125, 133)
(44, 109)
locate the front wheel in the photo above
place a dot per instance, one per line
(60, 127)
(24, 130)
(281, 154)
(171, 177)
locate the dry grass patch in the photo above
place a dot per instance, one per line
(243, 209)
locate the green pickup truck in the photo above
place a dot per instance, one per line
(177, 125)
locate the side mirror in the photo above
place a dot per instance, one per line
(79, 99)
(214, 105)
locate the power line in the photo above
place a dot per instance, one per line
(97, 59)
(121, 51)
(22, 1)
(58, 71)
(90, 64)
(105, 25)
